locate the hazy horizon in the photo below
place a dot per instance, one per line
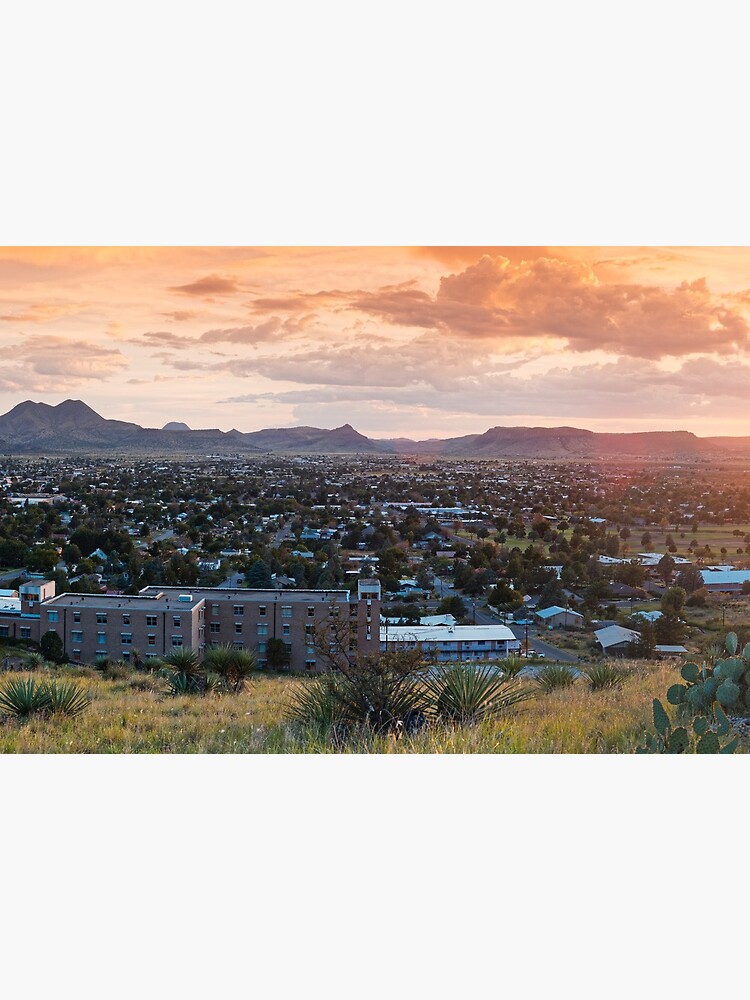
(418, 342)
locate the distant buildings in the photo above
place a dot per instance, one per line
(459, 643)
(556, 617)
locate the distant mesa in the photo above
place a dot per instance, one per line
(73, 427)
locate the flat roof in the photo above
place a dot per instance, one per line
(249, 594)
(442, 633)
(143, 602)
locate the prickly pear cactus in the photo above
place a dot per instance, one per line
(726, 681)
(703, 739)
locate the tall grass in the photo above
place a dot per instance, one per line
(133, 715)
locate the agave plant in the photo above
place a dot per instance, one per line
(466, 694)
(180, 683)
(555, 675)
(213, 683)
(601, 676)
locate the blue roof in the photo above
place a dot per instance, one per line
(555, 610)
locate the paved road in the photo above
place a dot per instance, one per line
(281, 535)
(163, 536)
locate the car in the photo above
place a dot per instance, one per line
(523, 621)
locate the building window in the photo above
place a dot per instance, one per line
(25, 632)
(126, 638)
(352, 610)
(286, 629)
(239, 609)
(151, 621)
(76, 636)
(261, 648)
(76, 617)
(101, 618)
(262, 611)
(152, 641)
(238, 626)
(176, 640)
(238, 645)
(214, 609)
(4, 631)
(286, 611)
(76, 654)
(151, 656)
(215, 627)
(101, 638)
(262, 629)
(125, 619)
(310, 612)
(176, 621)
(52, 616)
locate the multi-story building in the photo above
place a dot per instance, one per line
(450, 643)
(160, 619)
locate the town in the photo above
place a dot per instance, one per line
(564, 562)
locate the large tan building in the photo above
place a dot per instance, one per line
(160, 619)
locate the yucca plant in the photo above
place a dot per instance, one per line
(603, 676)
(34, 661)
(180, 683)
(317, 704)
(213, 683)
(183, 661)
(67, 698)
(512, 665)
(23, 698)
(465, 693)
(554, 676)
(234, 665)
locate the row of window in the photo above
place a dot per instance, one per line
(238, 609)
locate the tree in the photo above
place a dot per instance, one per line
(452, 606)
(259, 575)
(277, 654)
(665, 568)
(673, 602)
(632, 574)
(504, 597)
(689, 578)
(52, 648)
(646, 539)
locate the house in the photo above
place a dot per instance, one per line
(725, 581)
(555, 617)
(666, 650)
(616, 640)
(647, 616)
(450, 644)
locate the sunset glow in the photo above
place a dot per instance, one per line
(410, 341)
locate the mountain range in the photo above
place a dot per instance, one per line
(73, 427)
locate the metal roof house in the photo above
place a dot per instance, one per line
(614, 639)
(725, 581)
(555, 617)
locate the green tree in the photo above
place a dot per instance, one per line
(277, 654)
(52, 648)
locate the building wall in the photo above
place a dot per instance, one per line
(246, 619)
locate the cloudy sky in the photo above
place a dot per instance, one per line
(410, 341)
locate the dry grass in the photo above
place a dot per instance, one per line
(133, 714)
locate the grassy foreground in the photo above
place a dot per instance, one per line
(132, 713)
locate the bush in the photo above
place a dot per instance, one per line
(318, 706)
(554, 676)
(603, 676)
(464, 693)
(51, 648)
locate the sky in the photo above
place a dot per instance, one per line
(397, 341)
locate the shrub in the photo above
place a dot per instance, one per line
(603, 676)
(277, 654)
(466, 694)
(51, 647)
(555, 675)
